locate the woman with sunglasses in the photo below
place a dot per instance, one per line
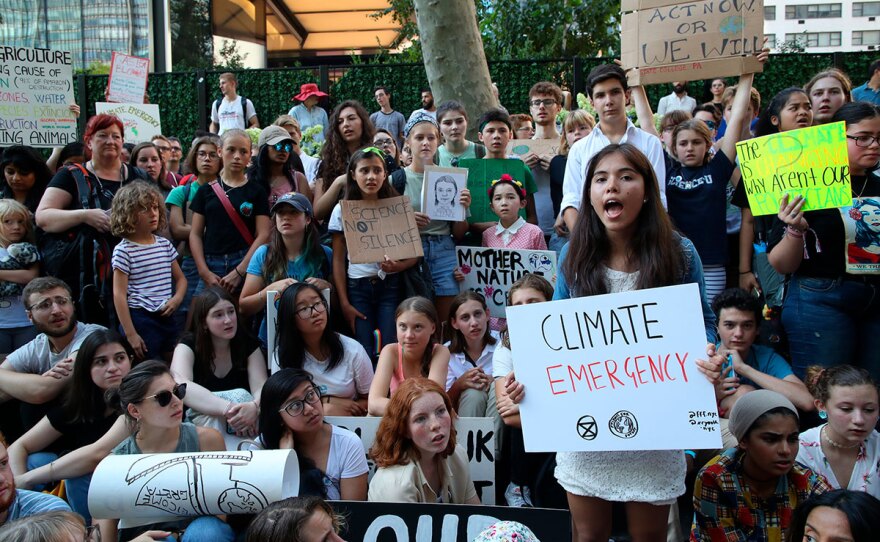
(277, 168)
(103, 360)
(331, 459)
(339, 365)
(152, 403)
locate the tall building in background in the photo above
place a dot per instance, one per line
(90, 29)
(821, 26)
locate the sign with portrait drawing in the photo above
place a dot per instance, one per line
(441, 193)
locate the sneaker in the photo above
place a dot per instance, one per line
(518, 496)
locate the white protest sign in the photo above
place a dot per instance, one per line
(141, 121)
(148, 488)
(614, 372)
(128, 78)
(475, 435)
(441, 193)
(492, 271)
(36, 90)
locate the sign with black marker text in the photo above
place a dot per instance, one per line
(381, 228)
(614, 372)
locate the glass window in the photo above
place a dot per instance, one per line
(813, 11)
(865, 9)
(769, 13)
(771, 40)
(866, 37)
(816, 39)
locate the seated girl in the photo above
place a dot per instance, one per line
(416, 353)
(331, 459)
(416, 452)
(339, 365)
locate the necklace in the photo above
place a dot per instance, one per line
(864, 186)
(836, 445)
(228, 187)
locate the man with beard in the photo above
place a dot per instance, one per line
(427, 104)
(20, 503)
(37, 372)
(678, 100)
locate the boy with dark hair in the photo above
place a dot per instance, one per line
(609, 92)
(427, 104)
(387, 118)
(545, 102)
(453, 121)
(495, 132)
(870, 91)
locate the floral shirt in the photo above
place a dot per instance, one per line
(725, 510)
(866, 472)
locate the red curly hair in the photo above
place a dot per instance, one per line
(393, 446)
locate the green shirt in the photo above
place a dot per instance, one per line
(445, 157)
(481, 173)
(414, 183)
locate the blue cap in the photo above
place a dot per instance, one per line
(295, 200)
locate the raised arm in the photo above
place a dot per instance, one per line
(643, 110)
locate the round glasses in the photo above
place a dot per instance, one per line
(295, 408)
(307, 312)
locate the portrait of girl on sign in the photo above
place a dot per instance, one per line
(862, 224)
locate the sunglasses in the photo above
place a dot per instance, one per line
(286, 147)
(164, 397)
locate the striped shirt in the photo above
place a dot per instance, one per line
(29, 503)
(149, 271)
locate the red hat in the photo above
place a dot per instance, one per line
(307, 90)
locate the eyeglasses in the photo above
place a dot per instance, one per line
(203, 155)
(295, 408)
(864, 140)
(164, 396)
(163, 148)
(46, 304)
(286, 147)
(547, 102)
(176, 149)
(93, 533)
(307, 312)
(384, 142)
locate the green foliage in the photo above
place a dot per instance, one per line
(308, 143)
(95, 68)
(192, 44)
(404, 81)
(231, 57)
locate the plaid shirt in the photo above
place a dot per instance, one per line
(727, 511)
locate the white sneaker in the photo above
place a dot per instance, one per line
(518, 496)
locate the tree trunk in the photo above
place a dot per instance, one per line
(454, 59)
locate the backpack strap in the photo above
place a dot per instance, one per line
(398, 180)
(480, 150)
(233, 216)
(186, 183)
(83, 186)
(244, 110)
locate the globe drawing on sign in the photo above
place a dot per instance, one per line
(520, 150)
(732, 26)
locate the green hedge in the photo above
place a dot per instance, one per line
(271, 90)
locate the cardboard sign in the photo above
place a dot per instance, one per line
(492, 271)
(441, 193)
(676, 40)
(36, 90)
(149, 488)
(811, 162)
(614, 372)
(476, 435)
(141, 121)
(541, 147)
(429, 522)
(128, 79)
(376, 229)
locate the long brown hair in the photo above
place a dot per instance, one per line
(334, 155)
(654, 245)
(458, 343)
(393, 445)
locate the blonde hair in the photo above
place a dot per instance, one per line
(54, 526)
(10, 208)
(287, 120)
(697, 126)
(578, 117)
(129, 201)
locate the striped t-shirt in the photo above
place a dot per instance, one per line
(149, 271)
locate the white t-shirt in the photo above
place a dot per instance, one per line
(228, 115)
(36, 357)
(346, 460)
(458, 363)
(310, 165)
(352, 377)
(355, 270)
(502, 361)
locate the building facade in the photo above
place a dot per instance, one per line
(822, 26)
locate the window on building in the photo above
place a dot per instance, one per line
(864, 9)
(816, 39)
(813, 11)
(866, 37)
(771, 40)
(769, 13)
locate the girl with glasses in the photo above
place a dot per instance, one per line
(385, 141)
(340, 366)
(104, 358)
(152, 403)
(222, 366)
(277, 168)
(331, 459)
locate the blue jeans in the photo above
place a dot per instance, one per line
(160, 333)
(376, 299)
(440, 254)
(191, 272)
(832, 322)
(77, 489)
(221, 265)
(13, 338)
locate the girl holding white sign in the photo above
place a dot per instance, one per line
(623, 240)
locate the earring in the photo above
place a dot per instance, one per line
(823, 415)
(645, 200)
